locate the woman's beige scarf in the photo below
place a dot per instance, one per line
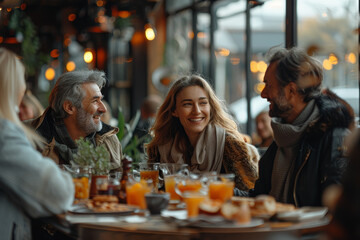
(208, 153)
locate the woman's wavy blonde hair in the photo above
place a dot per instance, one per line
(166, 126)
(12, 82)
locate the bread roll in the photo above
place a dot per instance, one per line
(265, 203)
(240, 214)
(209, 206)
(105, 198)
(240, 200)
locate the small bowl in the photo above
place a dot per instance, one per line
(156, 202)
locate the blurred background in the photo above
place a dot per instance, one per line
(143, 45)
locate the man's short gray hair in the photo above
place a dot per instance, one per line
(68, 87)
(295, 65)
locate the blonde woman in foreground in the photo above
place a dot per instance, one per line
(192, 127)
(31, 186)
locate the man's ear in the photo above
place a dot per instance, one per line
(292, 88)
(69, 107)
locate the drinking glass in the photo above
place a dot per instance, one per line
(192, 183)
(81, 176)
(108, 186)
(169, 172)
(192, 201)
(150, 171)
(222, 187)
(135, 192)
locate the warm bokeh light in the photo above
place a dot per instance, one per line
(149, 32)
(261, 66)
(9, 9)
(260, 76)
(254, 67)
(54, 53)
(128, 60)
(70, 66)
(101, 19)
(88, 56)
(23, 6)
(72, 17)
(11, 40)
(333, 59)
(201, 35)
(191, 34)
(99, 3)
(224, 52)
(1, 39)
(50, 74)
(124, 14)
(351, 58)
(259, 87)
(67, 41)
(234, 61)
(327, 64)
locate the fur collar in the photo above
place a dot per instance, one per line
(334, 113)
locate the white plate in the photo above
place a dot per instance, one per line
(303, 214)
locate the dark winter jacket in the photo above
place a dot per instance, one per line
(321, 159)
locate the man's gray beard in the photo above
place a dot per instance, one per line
(86, 123)
(280, 106)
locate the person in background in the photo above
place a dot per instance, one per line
(148, 109)
(75, 110)
(30, 107)
(307, 154)
(264, 131)
(193, 127)
(31, 185)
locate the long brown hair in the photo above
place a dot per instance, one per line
(166, 126)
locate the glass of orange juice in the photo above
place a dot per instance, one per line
(192, 183)
(169, 172)
(135, 192)
(150, 171)
(192, 201)
(222, 188)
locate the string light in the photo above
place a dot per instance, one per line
(149, 32)
(50, 74)
(70, 66)
(88, 56)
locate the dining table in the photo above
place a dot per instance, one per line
(172, 224)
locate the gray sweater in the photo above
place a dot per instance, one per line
(30, 185)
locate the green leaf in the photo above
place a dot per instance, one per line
(97, 157)
(121, 124)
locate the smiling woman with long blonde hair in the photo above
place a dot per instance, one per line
(192, 126)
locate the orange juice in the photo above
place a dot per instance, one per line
(189, 186)
(82, 188)
(135, 194)
(193, 200)
(170, 187)
(222, 191)
(151, 174)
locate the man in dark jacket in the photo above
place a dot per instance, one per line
(307, 154)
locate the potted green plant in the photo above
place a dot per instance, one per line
(98, 158)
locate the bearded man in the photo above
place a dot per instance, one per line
(307, 154)
(75, 110)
